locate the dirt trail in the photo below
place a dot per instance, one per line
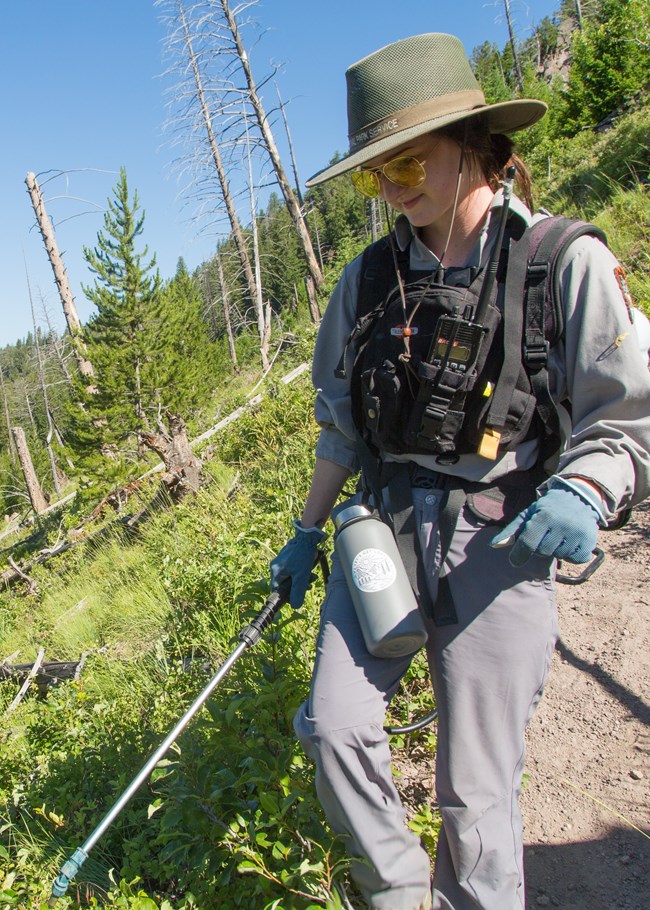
(591, 733)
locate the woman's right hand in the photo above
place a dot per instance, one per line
(295, 563)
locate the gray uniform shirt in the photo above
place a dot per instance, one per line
(597, 366)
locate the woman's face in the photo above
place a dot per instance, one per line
(431, 203)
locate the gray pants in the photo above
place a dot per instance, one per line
(488, 671)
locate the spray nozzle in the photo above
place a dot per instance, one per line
(68, 871)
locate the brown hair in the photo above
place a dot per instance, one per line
(490, 153)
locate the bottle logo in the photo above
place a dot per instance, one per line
(373, 570)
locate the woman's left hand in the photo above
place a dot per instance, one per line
(560, 524)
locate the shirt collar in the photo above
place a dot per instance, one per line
(423, 258)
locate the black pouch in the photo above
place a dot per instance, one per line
(499, 503)
(380, 400)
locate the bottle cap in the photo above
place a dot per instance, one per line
(350, 513)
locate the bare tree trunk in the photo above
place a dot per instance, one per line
(41, 382)
(314, 309)
(513, 44)
(55, 343)
(318, 246)
(5, 401)
(225, 297)
(237, 233)
(36, 495)
(183, 473)
(263, 322)
(290, 199)
(29, 408)
(578, 6)
(294, 166)
(60, 275)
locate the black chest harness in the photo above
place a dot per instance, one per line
(457, 366)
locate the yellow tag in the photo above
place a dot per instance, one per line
(489, 446)
(489, 388)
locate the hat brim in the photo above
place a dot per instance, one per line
(505, 117)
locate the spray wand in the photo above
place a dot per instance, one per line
(248, 637)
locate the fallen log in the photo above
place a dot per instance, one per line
(46, 674)
(33, 671)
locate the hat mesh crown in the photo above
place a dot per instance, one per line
(405, 74)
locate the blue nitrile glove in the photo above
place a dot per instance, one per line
(295, 562)
(561, 524)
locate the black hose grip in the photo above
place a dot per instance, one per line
(272, 605)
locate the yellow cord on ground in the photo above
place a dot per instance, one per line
(605, 806)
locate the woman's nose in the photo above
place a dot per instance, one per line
(389, 191)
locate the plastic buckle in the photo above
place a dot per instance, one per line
(586, 573)
(538, 270)
(536, 354)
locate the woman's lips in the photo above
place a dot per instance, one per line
(409, 203)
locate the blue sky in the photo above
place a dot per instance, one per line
(83, 94)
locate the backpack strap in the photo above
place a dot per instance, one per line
(544, 322)
(378, 272)
(377, 280)
(543, 312)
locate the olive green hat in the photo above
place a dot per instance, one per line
(412, 87)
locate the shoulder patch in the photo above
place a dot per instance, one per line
(621, 279)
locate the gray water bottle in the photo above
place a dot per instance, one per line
(381, 593)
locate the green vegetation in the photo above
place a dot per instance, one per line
(231, 817)
(233, 811)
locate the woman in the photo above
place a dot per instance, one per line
(423, 139)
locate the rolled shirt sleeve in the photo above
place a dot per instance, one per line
(332, 408)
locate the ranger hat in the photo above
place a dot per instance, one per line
(412, 87)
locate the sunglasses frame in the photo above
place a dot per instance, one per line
(375, 171)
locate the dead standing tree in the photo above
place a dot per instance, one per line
(263, 310)
(200, 115)
(519, 79)
(36, 495)
(290, 198)
(5, 403)
(60, 276)
(314, 308)
(56, 480)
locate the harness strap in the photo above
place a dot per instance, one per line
(442, 610)
(408, 542)
(544, 318)
(513, 325)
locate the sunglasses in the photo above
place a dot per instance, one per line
(403, 171)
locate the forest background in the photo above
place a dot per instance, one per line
(151, 595)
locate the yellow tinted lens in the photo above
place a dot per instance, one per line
(406, 171)
(366, 182)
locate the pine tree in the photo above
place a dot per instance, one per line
(123, 335)
(187, 374)
(611, 63)
(488, 67)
